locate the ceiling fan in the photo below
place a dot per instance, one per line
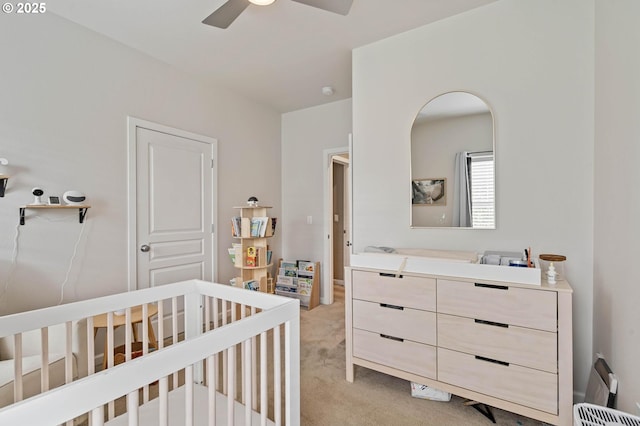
(230, 10)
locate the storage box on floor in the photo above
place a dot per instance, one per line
(425, 392)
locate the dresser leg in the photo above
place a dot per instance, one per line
(484, 409)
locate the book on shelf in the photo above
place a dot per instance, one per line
(252, 256)
(264, 221)
(251, 285)
(304, 286)
(233, 251)
(285, 280)
(236, 226)
(288, 272)
(287, 264)
(274, 220)
(255, 226)
(259, 225)
(285, 288)
(306, 266)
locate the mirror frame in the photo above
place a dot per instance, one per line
(493, 141)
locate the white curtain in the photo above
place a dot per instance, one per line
(461, 191)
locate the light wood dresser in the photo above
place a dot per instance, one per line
(503, 344)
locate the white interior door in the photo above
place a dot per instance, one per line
(172, 210)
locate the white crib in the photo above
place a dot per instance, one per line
(229, 368)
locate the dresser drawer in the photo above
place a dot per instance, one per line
(509, 305)
(406, 323)
(531, 388)
(406, 355)
(517, 345)
(408, 291)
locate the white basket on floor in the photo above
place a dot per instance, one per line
(594, 415)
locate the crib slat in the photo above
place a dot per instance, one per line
(244, 370)
(163, 405)
(17, 368)
(248, 391)
(127, 334)
(160, 324)
(231, 367)
(254, 363)
(68, 355)
(133, 414)
(292, 370)
(188, 396)
(44, 362)
(97, 416)
(145, 343)
(68, 358)
(108, 352)
(216, 322)
(211, 389)
(174, 332)
(277, 384)
(91, 365)
(145, 329)
(207, 313)
(263, 379)
(225, 352)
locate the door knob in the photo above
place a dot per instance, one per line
(144, 248)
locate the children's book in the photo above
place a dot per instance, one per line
(285, 280)
(306, 266)
(304, 286)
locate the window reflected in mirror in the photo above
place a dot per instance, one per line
(453, 164)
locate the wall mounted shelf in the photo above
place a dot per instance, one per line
(3, 184)
(82, 210)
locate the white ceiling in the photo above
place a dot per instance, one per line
(280, 55)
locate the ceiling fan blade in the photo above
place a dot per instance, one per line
(226, 14)
(341, 7)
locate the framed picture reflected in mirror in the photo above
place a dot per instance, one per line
(429, 192)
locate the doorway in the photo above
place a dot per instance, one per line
(172, 196)
(337, 219)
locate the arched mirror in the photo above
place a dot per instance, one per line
(453, 164)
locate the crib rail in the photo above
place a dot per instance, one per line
(219, 323)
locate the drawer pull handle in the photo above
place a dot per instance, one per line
(495, 324)
(497, 287)
(397, 339)
(495, 361)
(386, 305)
(387, 274)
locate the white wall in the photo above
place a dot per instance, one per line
(532, 61)
(66, 94)
(305, 135)
(616, 320)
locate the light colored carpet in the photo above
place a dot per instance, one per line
(374, 398)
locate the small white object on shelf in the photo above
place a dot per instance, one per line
(551, 274)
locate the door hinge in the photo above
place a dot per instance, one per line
(212, 163)
(212, 228)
